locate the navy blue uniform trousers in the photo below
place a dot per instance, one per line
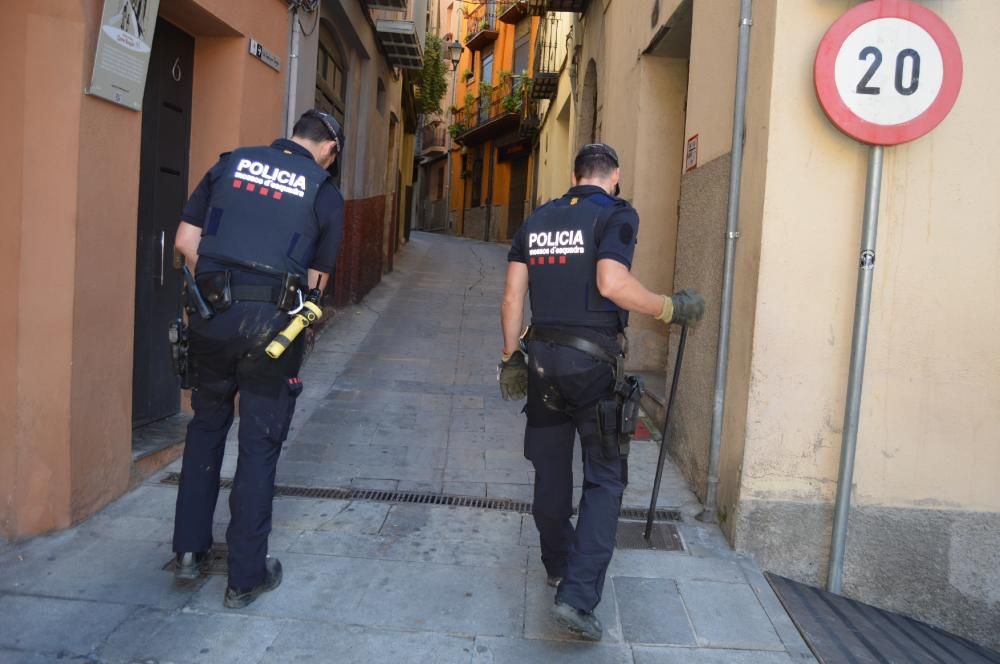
(227, 354)
(574, 382)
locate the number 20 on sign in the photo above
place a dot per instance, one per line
(888, 72)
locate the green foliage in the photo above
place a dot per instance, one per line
(456, 129)
(514, 101)
(433, 79)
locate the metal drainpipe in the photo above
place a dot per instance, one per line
(293, 67)
(732, 234)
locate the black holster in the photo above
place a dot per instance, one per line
(215, 288)
(177, 333)
(617, 417)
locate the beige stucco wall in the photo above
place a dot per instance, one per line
(714, 33)
(923, 530)
(640, 106)
(931, 406)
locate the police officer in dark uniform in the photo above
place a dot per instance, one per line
(573, 257)
(263, 226)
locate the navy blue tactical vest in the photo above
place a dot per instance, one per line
(261, 214)
(560, 245)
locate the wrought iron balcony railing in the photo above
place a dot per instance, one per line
(547, 61)
(539, 7)
(512, 11)
(492, 111)
(433, 138)
(481, 25)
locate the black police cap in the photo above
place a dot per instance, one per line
(336, 131)
(592, 149)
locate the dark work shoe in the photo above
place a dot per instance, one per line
(237, 598)
(553, 581)
(582, 623)
(189, 566)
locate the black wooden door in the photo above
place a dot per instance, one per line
(163, 185)
(518, 192)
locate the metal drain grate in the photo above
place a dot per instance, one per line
(421, 498)
(664, 537)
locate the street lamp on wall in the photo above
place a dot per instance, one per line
(455, 54)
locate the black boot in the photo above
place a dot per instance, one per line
(237, 598)
(189, 566)
(581, 623)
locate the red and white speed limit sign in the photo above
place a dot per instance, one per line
(888, 71)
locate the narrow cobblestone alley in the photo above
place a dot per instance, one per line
(400, 396)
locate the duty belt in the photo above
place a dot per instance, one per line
(583, 345)
(256, 293)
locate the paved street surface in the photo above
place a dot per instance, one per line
(400, 395)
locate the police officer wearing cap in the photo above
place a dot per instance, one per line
(263, 225)
(573, 256)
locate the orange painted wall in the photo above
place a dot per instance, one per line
(503, 58)
(69, 220)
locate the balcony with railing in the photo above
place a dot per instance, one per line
(539, 7)
(547, 61)
(512, 11)
(433, 139)
(493, 112)
(481, 26)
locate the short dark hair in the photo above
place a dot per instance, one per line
(596, 160)
(317, 126)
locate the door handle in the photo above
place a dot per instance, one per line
(163, 249)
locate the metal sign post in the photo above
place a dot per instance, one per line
(886, 72)
(856, 374)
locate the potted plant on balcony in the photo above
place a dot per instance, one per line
(513, 101)
(456, 129)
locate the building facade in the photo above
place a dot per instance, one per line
(92, 201)
(493, 120)
(656, 79)
(436, 144)
(358, 60)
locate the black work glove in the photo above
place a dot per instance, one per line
(512, 374)
(685, 306)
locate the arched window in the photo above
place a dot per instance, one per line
(331, 74)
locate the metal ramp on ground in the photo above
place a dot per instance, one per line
(843, 631)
